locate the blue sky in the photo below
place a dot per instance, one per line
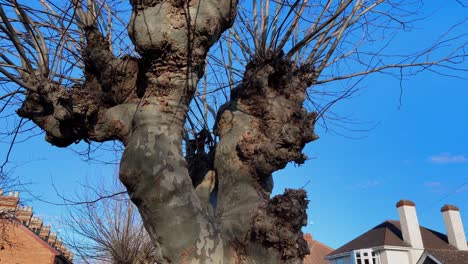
(417, 151)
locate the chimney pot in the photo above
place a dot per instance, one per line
(449, 207)
(405, 202)
(308, 238)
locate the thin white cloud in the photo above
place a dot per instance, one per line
(435, 187)
(432, 184)
(367, 184)
(364, 185)
(447, 158)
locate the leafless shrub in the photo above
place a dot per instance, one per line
(108, 230)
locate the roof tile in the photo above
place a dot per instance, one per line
(450, 256)
(317, 251)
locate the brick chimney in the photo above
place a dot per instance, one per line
(24, 215)
(52, 239)
(410, 224)
(308, 238)
(9, 202)
(454, 226)
(45, 232)
(65, 251)
(58, 244)
(62, 248)
(35, 225)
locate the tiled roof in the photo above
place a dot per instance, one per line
(317, 251)
(450, 256)
(388, 233)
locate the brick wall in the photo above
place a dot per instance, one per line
(25, 248)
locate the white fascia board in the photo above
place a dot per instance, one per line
(396, 248)
(338, 255)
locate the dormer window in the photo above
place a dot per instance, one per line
(366, 256)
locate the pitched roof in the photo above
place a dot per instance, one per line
(317, 251)
(450, 256)
(389, 233)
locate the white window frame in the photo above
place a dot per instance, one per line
(361, 255)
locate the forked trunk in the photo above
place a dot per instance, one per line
(216, 212)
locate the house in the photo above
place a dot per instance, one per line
(317, 251)
(406, 242)
(24, 239)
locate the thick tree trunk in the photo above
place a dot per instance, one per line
(144, 102)
(155, 174)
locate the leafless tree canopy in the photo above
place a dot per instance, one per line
(109, 231)
(208, 98)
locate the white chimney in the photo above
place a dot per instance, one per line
(454, 226)
(409, 224)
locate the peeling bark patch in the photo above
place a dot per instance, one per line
(278, 224)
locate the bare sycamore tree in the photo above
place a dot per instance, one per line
(199, 155)
(108, 231)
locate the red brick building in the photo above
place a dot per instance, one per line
(317, 251)
(25, 239)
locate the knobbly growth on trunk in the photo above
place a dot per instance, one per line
(203, 188)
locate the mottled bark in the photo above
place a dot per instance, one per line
(155, 174)
(217, 208)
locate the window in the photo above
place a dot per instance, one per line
(366, 256)
(375, 257)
